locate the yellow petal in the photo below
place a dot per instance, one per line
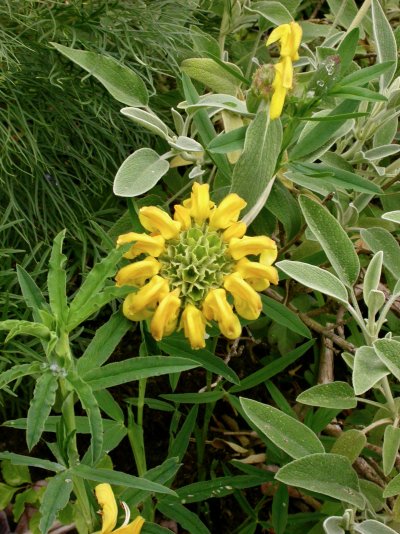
(144, 244)
(194, 326)
(165, 318)
(277, 102)
(237, 229)
(257, 274)
(199, 202)
(243, 293)
(109, 510)
(182, 215)
(259, 284)
(132, 313)
(217, 307)
(227, 212)
(133, 528)
(135, 274)
(156, 220)
(296, 35)
(278, 33)
(287, 73)
(238, 248)
(268, 256)
(146, 298)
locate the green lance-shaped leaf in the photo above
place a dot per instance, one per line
(385, 42)
(228, 142)
(380, 239)
(187, 519)
(15, 475)
(18, 371)
(17, 327)
(212, 74)
(147, 120)
(388, 351)
(55, 498)
(371, 526)
(274, 12)
(391, 443)
(333, 239)
(329, 474)
(89, 403)
(120, 81)
(20, 459)
(332, 395)
(315, 278)
(33, 296)
(393, 216)
(295, 438)
(372, 275)
(282, 315)
(256, 165)
(44, 397)
(139, 173)
(280, 509)
(350, 444)
(362, 76)
(347, 49)
(393, 488)
(57, 280)
(368, 370)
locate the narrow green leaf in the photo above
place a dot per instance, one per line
(350, 444)
(385, 42)
(329, 474)
(55, 498)
(212, 74)
(283, 205)
(380, 239)
(388, 351)
(315, 278)
(89, 403)
(219, 101)
(347, 49)
(393, 216)
(357, 93)
(20, 459)
(139, 173)
(380, 152)
(372, 275)
(194, 398)
(82, 424)
(282, 315)
(178, 446)
(120, 81)
(17, 327)
(393, 488)
(332, 395)
(371, 526)
(187, 519)
(333, 239)
(118, 373)
(57, 280)
(44, 397)
(368, 370)
(391, 443)
(228, 142)
(109, 405)
(361, 76)
(256, 165)
(147, 120)
(32, 294)
(280, 509)
(295, 438)
(274, 12)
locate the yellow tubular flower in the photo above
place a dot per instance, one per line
(194, 326)
(156, 220)
(135, 274)
(243, 293)
(279, 94)
(200, 255)
(109, 513)
(216, 307)
(238, 248)
(227, 212)
(289, 37)
(165, 318)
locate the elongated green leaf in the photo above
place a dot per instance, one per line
(393, 488)
(120, 81)
(357, 93)
(109, 405)
(295, 438)
(391, 443)
(372, 275)
(57, 280)
(280, 506)
(114, 374)
(385, 42)
(282, 315)
(371, 526)
(32, 294)
(359, 77)
(393, 216)
(147, 120)
(44, 397)
(274, 12)
(89, 403)
(178, 446)
(350, 444)
(332, 395)
(212, 74)
(17, 327)
(55, 498)
(347, 49)
(380, 239)
(82, 424)
(104, 343)
(388, 351)
(228, 142)
(368, 370)
(333, 239)
(20, 459)
(194, 398)
(187, 519)
(256, 165)
(333, 525)
(380, 152)
(179, 347)
(219, 101)
(315, 278)
(273, 368)
(139, 173)
(329, 474)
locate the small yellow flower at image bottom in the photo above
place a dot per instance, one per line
(194, 268)
(109, 513)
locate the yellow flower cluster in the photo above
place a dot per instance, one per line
(109, 513)
(188, 266)
(289, 37)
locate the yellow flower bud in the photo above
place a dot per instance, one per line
(109, 510)
(238, 248)
(199, 203)
(217, 308)
(227, 212)
(194, 326)
(246, 300)
(135, 274)
(142, 303)
(156, 220)
(165, 317)
(237, 229)
(182, 215)
(144, 244)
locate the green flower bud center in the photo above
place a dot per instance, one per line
(195, 262)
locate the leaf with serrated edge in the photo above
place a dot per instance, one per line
(44, 397)
(55, 498)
